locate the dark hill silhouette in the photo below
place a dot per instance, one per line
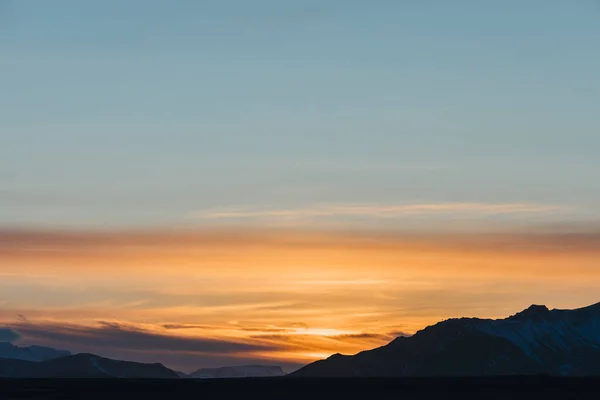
(30, 353)
(83, 366)
(534, 341)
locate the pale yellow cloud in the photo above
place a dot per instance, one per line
(382, 211)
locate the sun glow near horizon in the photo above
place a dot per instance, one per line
(278, 296)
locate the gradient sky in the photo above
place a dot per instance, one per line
(332, 119)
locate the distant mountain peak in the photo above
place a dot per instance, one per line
(534, 310)
(30, 353)
(533, 341)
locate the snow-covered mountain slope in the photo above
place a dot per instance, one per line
(245, 371)
(536, 340)
(566, 337)
(30, 353)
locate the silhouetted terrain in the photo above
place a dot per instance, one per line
(244, 371)
(83, 366)
(534, 341)
(547, 388)
(30, 353)
(46, 362)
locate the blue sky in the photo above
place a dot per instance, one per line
(146, 112)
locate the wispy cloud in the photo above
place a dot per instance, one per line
(135, 343)
(342, 282)
(225, 296)
(381, 211)
(120, 336)
(128, 341)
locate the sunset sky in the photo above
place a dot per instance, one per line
(206, 183)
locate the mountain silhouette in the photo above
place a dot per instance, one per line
(83, 366)
(30, 353)
(45, 362)
(534, 341)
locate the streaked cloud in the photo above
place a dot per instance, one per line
(191, 352)
(345, 282)
(186, 326)
(381, 211)
(126, 336)
(224, 296)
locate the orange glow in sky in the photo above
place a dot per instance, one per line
(291, 296)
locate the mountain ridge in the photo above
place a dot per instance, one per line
(533, 341)
(83, 365)
(30, 353)
(46, 362)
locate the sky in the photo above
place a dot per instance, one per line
(205, 183)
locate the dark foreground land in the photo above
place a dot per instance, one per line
(300, 388)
